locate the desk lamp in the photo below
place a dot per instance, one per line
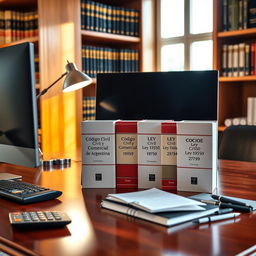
(74, 80)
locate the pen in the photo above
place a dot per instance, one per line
(229, 200)
(223, 210)
(216, 218)
(236, 207)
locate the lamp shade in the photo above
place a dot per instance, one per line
(75, 79)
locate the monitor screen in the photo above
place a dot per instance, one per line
(181, 95)
(18, 108)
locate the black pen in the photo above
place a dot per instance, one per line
(229, 200)
(239, 208)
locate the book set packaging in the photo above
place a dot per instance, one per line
(150, 153)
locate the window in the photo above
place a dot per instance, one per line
(185, 35)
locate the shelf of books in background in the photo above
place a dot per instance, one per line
(238, 59)
(249, 119)
(17, 27)
(235, 58)
(110, 43)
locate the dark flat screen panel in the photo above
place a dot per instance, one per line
(17, 117)
(184, 95)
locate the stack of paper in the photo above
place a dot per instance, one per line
(158, 206)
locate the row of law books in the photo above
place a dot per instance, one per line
(238, 59)
(16, 25)
(238, 14)
(150, 154)
(250, 119)
(105, 60)
(109, 19)
(89, 107)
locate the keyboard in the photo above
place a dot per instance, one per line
(25, 193)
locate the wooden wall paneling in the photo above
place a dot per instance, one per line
(148, 35)
(229, 101)
(61, 114)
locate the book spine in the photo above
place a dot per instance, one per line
(104, 17)
(235, 60)
(245, 14)
(92, 16)
(233, 14)
(242, 59)
(240, 14)
(126, 154)
(225, 15)
(169, 155)
(247, 59)
(97, 17)
(8, 29)
(224, 59)
(250, 110)
(98, 154)
(252, 57)
(230, 60)
(2, 28)
(252, 14)
(83, 10)
(197, 156)
(254, 111)
(149, 154)
(109, 18)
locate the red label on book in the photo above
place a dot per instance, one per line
(169, 188)
(127, 170)
(170, 182)
(126, 127)
(168, 127)
(127, 185)
(127, 180)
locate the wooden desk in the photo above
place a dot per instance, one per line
(95, 231)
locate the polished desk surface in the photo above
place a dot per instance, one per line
(96, 231)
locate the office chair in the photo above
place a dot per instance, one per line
(238, 143)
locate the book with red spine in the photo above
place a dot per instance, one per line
(126, 154)
(169, 155)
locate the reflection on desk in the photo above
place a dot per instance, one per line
(95, 231)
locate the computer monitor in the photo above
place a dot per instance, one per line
(18, 108)
(181, 95)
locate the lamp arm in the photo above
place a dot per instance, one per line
(46, 89)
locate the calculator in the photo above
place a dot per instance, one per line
(39, 219)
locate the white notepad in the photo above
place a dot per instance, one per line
(155, 200)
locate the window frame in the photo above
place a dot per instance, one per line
(187, 38)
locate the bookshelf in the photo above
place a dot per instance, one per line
(233, 90)
(108, 41)
(60, 38)
(13, 15)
